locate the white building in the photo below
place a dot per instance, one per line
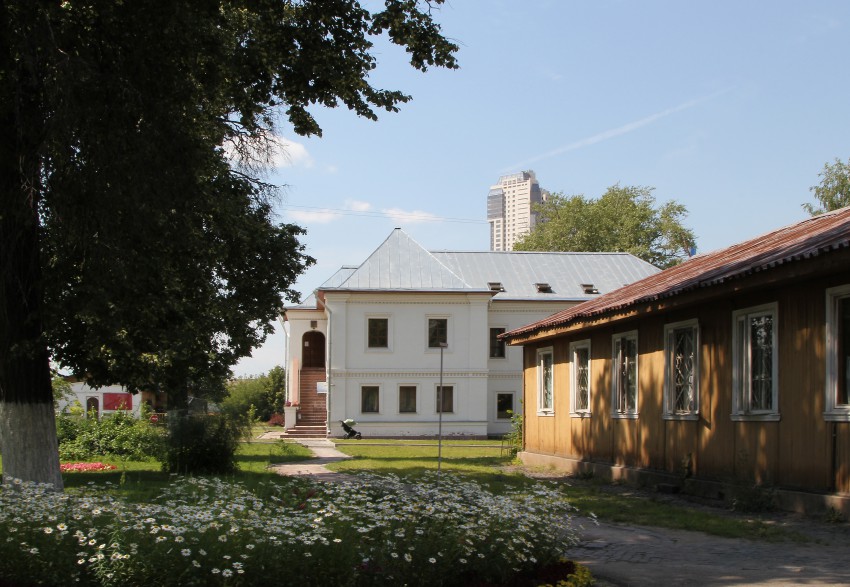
(369, 339)
(510, 208)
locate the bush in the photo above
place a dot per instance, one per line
(120, 435)
(264, 393)
(202, 444)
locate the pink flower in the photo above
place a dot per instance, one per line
(67, 467)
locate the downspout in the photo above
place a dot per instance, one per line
(328, 362)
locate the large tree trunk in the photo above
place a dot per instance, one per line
(27, 420)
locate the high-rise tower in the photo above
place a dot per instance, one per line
(509, 208)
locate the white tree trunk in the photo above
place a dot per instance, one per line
(28, 443)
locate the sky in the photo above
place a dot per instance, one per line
(730, 108)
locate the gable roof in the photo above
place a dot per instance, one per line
(809, 238)
(401, 264)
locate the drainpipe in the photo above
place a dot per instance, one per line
(328, 364)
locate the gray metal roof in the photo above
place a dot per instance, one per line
(401, 264)
(337, 278)
(566, 273)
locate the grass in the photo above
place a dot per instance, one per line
(486, 467)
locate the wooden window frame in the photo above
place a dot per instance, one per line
(577, 411)
(742, 409)
(670, 411)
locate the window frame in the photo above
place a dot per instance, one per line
(834, 411)
(415, 398)
(500, 344)
(512, 395)
(742, 409)
(670, 412)
(428, 332)
(616, 385)
(575, 410)
(541, 409)
(437, 398)
(377, 389)
(388, 347)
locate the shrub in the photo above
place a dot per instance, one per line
(120, 435)
(202, 444)
(276, 419)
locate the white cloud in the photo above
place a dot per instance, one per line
(414, 216)
(616, 132)
(286, 153)
(314, 216)
(357, 205)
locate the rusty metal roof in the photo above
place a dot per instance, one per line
(796, 242)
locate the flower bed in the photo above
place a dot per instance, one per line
(72, 467)
(378, 530)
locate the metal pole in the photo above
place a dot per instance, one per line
(443, 345)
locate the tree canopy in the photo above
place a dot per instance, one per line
(833, 192)
(138, 243)
(624, 218)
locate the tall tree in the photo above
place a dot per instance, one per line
(833, 192)
(137, 243)
(624, 218)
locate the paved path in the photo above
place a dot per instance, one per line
(636, 556)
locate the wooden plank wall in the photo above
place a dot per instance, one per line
(801, 450)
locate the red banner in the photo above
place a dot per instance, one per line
(117, 401)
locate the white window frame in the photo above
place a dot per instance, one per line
(416, 397)
(670, 412)
(380, 349)
(362, 387)
(834, 412)
(504, 345)
(616, 382)
(541, 409)
(438, 397)
(513, 405)
(448, 319)
(742, 409)
(575, 410)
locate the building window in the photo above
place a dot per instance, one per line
(838, 354)
(438, 332)
(545, 382)
(754, 364)
(497, 347)
(624, 378)
(378, 333)
(504, 405)
(407, 399)
(369, 399)
(580, 377)
(681, 375)
(447, 398)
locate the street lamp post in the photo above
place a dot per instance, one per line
(443, 346)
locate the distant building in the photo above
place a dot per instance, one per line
(509, 208)
(367, 343)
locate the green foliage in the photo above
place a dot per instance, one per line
(119, 435)
(205, 531)
(754, 499)
(833, 192)
(624, 218)
(61, 389)
(514, 437)
(138, 242)
(265, 394)
(202, 444)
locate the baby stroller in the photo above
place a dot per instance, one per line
(349, 431)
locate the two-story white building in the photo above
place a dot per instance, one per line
(373, 342)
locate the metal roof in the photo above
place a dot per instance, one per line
(566, 273)
(809, 238)
(402, 264)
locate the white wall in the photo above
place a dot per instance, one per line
(81, 392)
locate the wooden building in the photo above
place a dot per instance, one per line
(727, 371)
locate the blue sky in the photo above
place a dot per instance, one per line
(730, 108)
